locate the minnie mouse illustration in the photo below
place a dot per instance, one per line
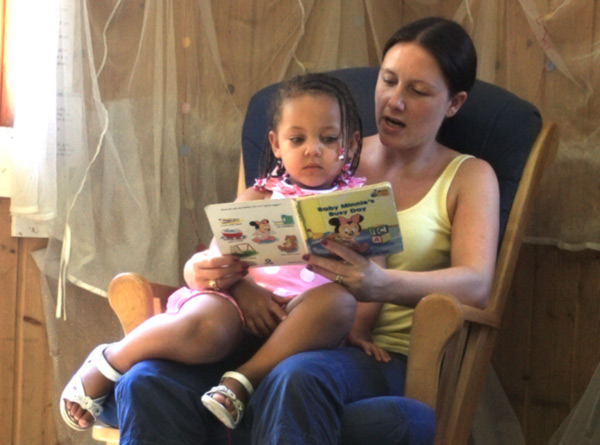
(263, 231)
(346, 231)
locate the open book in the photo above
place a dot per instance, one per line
(279, 231)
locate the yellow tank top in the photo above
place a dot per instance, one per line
(426, 230)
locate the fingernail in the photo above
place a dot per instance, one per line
(324, 242)
(306, 257)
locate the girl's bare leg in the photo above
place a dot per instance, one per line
(206, 330)
(319, 318)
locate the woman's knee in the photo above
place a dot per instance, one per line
(299, 375)
(139, 380)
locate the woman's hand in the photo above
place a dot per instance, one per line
(211, 270)
(262, 310)
(363, 278)
(362, 340)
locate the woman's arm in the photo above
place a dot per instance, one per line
(474, 211)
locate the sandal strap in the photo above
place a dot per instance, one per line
(106, 368)
(226, 392)
(241, 378)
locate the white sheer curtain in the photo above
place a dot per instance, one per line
(34, 92)
(100, 169)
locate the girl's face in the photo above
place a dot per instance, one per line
(412, 98)
(308, 140)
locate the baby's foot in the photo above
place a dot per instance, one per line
(235, 387)
(227, 401)
(82, 399)
(95, 385)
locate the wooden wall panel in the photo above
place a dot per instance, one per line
(517, 322)
(552, 330)
(586, 348)
(549, 344)
(8, 302)
(26, 390)
(34, 383)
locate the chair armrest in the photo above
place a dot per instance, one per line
(437, 319)
(134, 299)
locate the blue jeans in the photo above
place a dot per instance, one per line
(321, 397)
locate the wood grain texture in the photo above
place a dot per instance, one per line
(26, 389)
(8, 309)
(549, 344)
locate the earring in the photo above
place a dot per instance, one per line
(278, 171)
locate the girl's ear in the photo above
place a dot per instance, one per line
(456, 103)
(274, 141)
(353, 145)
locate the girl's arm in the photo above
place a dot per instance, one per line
(360, 334)
(475, 221)
(364, 322)
(261, 311)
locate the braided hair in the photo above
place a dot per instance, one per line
(315, 84)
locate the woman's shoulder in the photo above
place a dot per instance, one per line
(475, 177)
(474, 170)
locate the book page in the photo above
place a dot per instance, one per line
(364, 219)
(264, 233)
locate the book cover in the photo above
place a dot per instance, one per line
(281, 231)
(364, 219)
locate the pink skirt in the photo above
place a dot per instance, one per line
(181, 296)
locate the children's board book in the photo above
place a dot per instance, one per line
(280, 231)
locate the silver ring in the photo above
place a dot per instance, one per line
(213, 285)
(339, 279)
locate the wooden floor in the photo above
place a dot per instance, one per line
(548, 348)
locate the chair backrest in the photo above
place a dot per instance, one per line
(493, 124)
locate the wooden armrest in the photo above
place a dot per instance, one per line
(134, 299)
(436, 320)
(481, 317)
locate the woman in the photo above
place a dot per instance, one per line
(448, 210)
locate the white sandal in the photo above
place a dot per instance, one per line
(219, 410)
(74, 391)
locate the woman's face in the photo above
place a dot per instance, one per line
(411, 98)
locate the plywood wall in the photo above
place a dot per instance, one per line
(549, 345)
(26, 392)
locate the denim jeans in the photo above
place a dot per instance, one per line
(320, 397)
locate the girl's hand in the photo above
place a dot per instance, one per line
(260, 307)
(211, 270)
(363, 278)
(362, 340)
